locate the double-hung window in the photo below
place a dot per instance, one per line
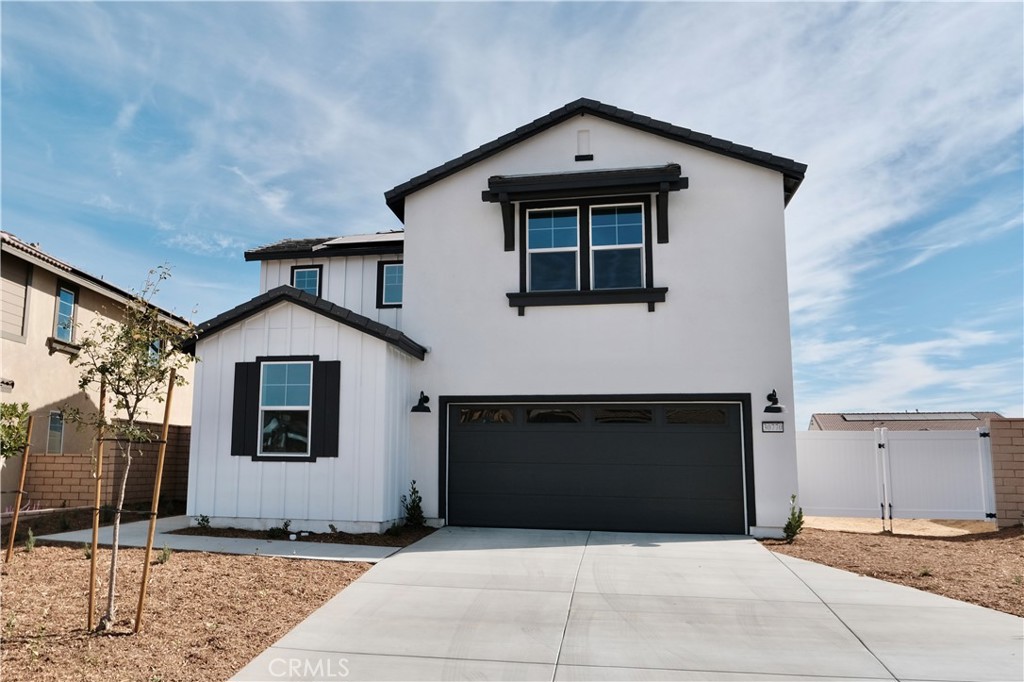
(286, 408)
(286, 392)
(552, 239)
(617, 246)
(64, 326)
(586, 237)
(596, 244)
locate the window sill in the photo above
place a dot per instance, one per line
(650, 296)
(57, 346)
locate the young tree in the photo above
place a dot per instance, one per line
(13, 430)
(133, 358)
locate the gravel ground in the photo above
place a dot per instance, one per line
(982, 568)
(206, 615)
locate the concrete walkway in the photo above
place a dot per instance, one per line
(134, 535)
(486, 604)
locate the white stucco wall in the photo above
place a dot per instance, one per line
(357, 491)
(724, 327)
(349, 281)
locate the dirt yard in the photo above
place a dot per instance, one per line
(951, 558)
(208, 615)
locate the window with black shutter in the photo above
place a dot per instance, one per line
(285, 408)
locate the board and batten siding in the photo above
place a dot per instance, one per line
(358, 490)
(350, 282)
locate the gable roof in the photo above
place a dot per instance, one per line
(792, 171)
(317, 305)
(900, 421)
(381, 243)
(31, 253)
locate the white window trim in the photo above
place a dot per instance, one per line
(554, 249)
(641, 246)
(56, 314)
(384, 293)
(319, 284)
(290, 408)
(49, 431)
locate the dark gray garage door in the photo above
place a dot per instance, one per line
(662, 467)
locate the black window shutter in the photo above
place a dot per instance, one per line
(245, 409)
(326, 404)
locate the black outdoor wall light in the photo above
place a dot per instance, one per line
(421, 406)
(773, 406)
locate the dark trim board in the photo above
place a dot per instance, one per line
(742, 399)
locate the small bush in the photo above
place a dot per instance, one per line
(164, 556)
(795, 522)
(203, 522)
(280, 532)
(87, 550)
(412, 506)
(30, 541)
(334, 529)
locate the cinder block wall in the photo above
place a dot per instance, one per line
(1008, 469)
(56, 481)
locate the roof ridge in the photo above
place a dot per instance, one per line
(792, 170)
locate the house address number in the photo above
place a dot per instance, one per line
(772, 427)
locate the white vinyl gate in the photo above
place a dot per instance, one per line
(899, 474)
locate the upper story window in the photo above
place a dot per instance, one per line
(606, 251)
(64, 325)
(286, 391)
(307, 278)
(390, 280)
(586, 237)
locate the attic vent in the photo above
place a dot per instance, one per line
(583, 146)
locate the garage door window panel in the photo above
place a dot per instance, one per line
(553, 415)
(623, 415)
(486, 416)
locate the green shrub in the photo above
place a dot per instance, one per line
(412, 507)
(203, 522)
(795, 522)
(164, 556)
(30, 541)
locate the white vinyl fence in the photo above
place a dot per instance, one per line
(899, 474)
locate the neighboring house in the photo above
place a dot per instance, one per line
(46, 303)
(596, 307)
(901, 421)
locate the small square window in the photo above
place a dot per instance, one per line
(390, 283)
(307, 279)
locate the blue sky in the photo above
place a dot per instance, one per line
(140, 133)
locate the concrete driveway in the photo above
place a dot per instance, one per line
(483, 604)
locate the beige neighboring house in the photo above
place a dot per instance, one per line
(45, 305)
(900, 421)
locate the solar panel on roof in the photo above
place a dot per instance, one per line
(908, 416)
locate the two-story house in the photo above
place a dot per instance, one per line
(46, 303)
(579, 327)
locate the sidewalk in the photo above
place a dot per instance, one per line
(134, 535)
